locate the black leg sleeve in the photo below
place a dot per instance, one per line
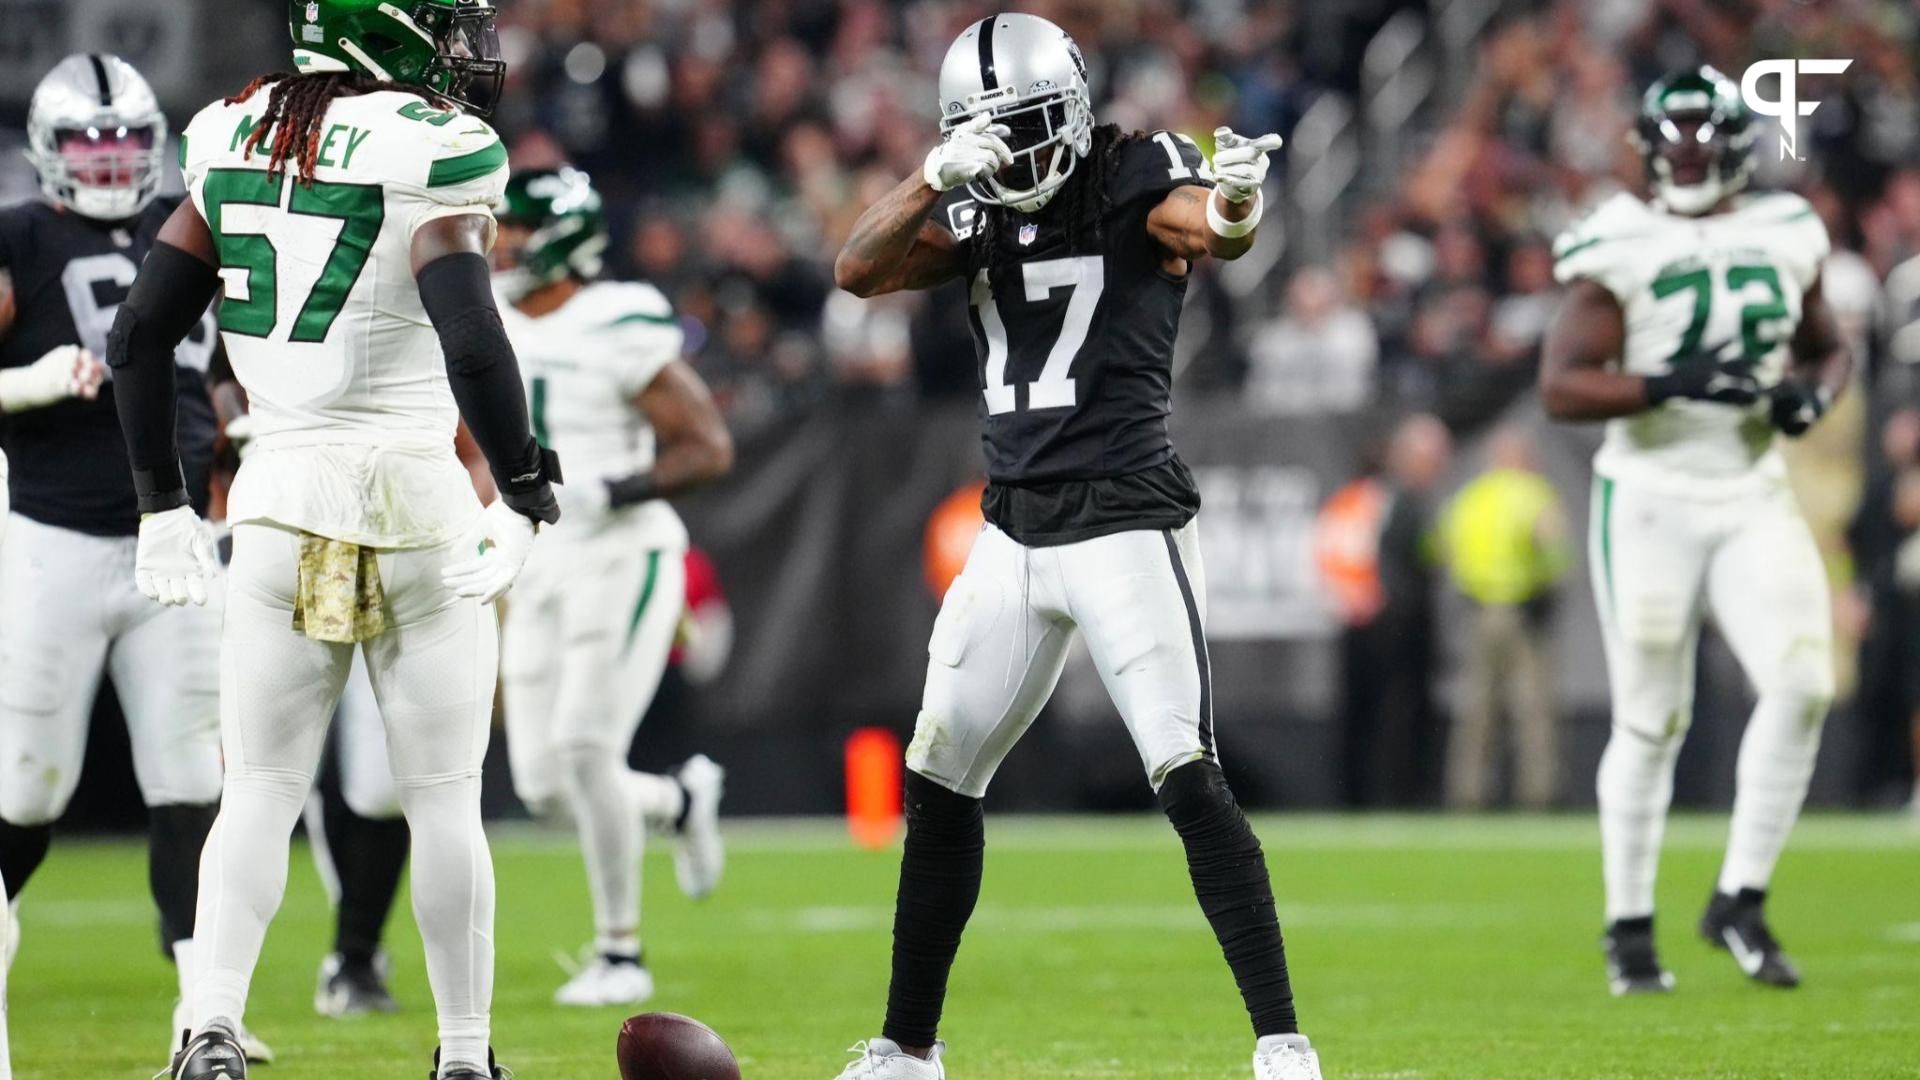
(370, 856)
(22, 849)
(175, 835)
(939, 884)
(1230, 879)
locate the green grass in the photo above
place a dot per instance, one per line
(1421, 948)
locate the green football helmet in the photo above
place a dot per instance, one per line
(567, 230)
(447, 46)
(1696, 136)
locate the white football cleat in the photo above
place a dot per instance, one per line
(258, 1052)
(606, 982)
(882, 1059)
(701, 856)
(1285, 1057)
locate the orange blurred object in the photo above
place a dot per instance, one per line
(873, 787)
(951, 530)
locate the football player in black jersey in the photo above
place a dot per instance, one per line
(96, 135)
(1076, 240)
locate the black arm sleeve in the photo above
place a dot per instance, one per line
(169, 295)
(458, 295)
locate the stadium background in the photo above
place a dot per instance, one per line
(1434, 149)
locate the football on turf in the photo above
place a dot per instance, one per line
(667, 1046)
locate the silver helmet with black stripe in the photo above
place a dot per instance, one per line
(95, 134)
(1028, 75)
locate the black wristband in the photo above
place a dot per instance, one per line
(527, 488)
(1661, 388)
(631, 490)
(160, 489)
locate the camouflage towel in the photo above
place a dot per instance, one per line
(338, 597)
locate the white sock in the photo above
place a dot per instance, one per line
(1635, 788)
(661, 799)
(1776, 763)
(612, 837)
(243, 876)
(184, 967)
(453, 903)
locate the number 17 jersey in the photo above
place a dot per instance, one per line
(1074, 321)
(321, 316)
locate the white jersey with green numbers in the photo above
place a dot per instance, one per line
(585, 364)
(353, 416)
(1727, 285)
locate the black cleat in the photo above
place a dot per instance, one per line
(462, 1071)
(214, 1054)
(349, 988)
(1738, 924)
(1633, 967)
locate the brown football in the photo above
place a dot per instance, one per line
(667, 1046)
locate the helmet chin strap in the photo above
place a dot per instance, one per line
(1691, 199)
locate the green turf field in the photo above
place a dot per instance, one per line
(1422, 948)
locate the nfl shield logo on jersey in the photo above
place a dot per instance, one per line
(1027, 233)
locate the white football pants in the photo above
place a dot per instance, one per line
(589, 628)
(433, 672)
(1002, 636)
(70, 610)
(1660, 564)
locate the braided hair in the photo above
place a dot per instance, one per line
(297, 112)
(1088, 189)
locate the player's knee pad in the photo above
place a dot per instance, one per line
(32, 801)
(1803, 681)
(585, 763)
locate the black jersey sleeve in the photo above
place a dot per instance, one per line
(956, 212)
(1150, 164)
(12, 224)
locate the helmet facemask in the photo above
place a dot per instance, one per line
(1051, 129)
(1695, 138)
(468, 69)
(109, 174)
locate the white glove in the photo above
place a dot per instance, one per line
(239, 432)
(174, 559)
(68, 371)
(973, 151)
(489, 576)
(1240, 163)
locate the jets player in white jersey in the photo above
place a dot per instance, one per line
(1694, 326)
(346, 211)
(595, 613)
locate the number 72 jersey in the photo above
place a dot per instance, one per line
(1074, 318)
(1698, 290)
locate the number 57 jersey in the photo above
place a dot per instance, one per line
(353, 416)
(1724, 287)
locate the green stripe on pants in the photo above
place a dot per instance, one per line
(646, 595)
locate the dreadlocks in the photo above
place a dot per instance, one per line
(297, 113)
(1087, 188)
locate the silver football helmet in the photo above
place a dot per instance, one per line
(95, 134)
(1029, 75)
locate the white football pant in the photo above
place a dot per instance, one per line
(71, 610)
(1002, 636)
(433, 672)
(1661, 563)
(589, 628)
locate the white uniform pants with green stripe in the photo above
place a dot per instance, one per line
(589, 626)
(1662, 563)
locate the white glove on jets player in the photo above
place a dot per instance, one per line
(489, 576)
(1240, 163)
(973, 151)
(65, 372)
(174, 559)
